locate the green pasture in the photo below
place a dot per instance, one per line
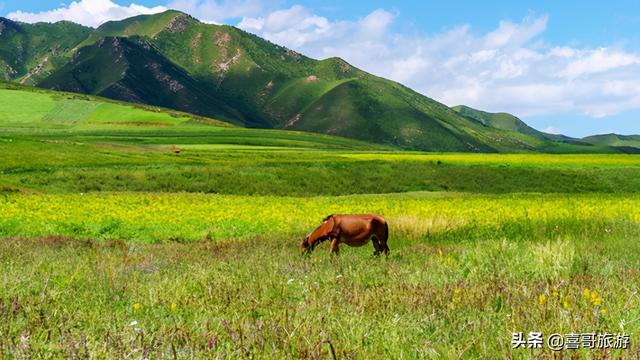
(136, 232)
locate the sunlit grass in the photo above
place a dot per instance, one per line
(67, 298)
(189, 217)
(545, 160)
(114, 246)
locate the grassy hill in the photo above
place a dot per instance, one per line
(31, 52)
(534, 139)
(47, 115)
(82, 143)
(627, 143)
(502, 121)
(28, 106)
(173, 60)
(130, 69)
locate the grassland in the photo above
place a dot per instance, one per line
(112, 245)
(465, 272)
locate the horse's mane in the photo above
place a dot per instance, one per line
(322, 238)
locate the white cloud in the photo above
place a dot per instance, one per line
(599, 60)
(509, 68)
(218, 11)
(294, 27)
(86, 12)
(551, 130)
(509, 34)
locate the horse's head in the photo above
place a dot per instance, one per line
(304, 245)
(316, 236)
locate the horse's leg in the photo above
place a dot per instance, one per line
(382, 232)
(385, 237)
(376, 245)
(334, 246)
(386, 248)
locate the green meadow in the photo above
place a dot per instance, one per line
(136, 232)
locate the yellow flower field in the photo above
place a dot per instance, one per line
(157, 217)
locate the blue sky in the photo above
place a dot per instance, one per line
(562, 66)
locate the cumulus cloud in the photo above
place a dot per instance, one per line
(294, 27)
(510, 68)
(86, 12)
(218, 11)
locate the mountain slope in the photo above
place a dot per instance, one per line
(173, 60)
(625, 143)
(551, 143)
(130, 69)
(30, 52)
(227, 73)
(66, 118)
(21, 104)
(502, 121)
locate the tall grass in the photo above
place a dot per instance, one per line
(113, 246)
(433, 297)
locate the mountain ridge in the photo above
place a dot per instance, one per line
(624, 143)
(224, 72)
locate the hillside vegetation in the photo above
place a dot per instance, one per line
(629, 143)
(173, 60)
(81, 143)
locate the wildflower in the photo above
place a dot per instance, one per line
(565, 302)
(174, 306)
(137, 306)
(133, 323)
(586, 293)
(456, 295)
(597, 301)
(449, 260)
(542, 298)
(290, 281)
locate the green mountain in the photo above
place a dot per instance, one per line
(502, 121)
(31, 52)
(175, 61)
(130, 69)
(541, 141)
(69, 118)
(25, 105)
(625, 143)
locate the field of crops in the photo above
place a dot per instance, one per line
(114, 245)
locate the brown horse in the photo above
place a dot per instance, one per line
(353, 230)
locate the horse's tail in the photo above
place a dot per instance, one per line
(386, 232)
(386, 237)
